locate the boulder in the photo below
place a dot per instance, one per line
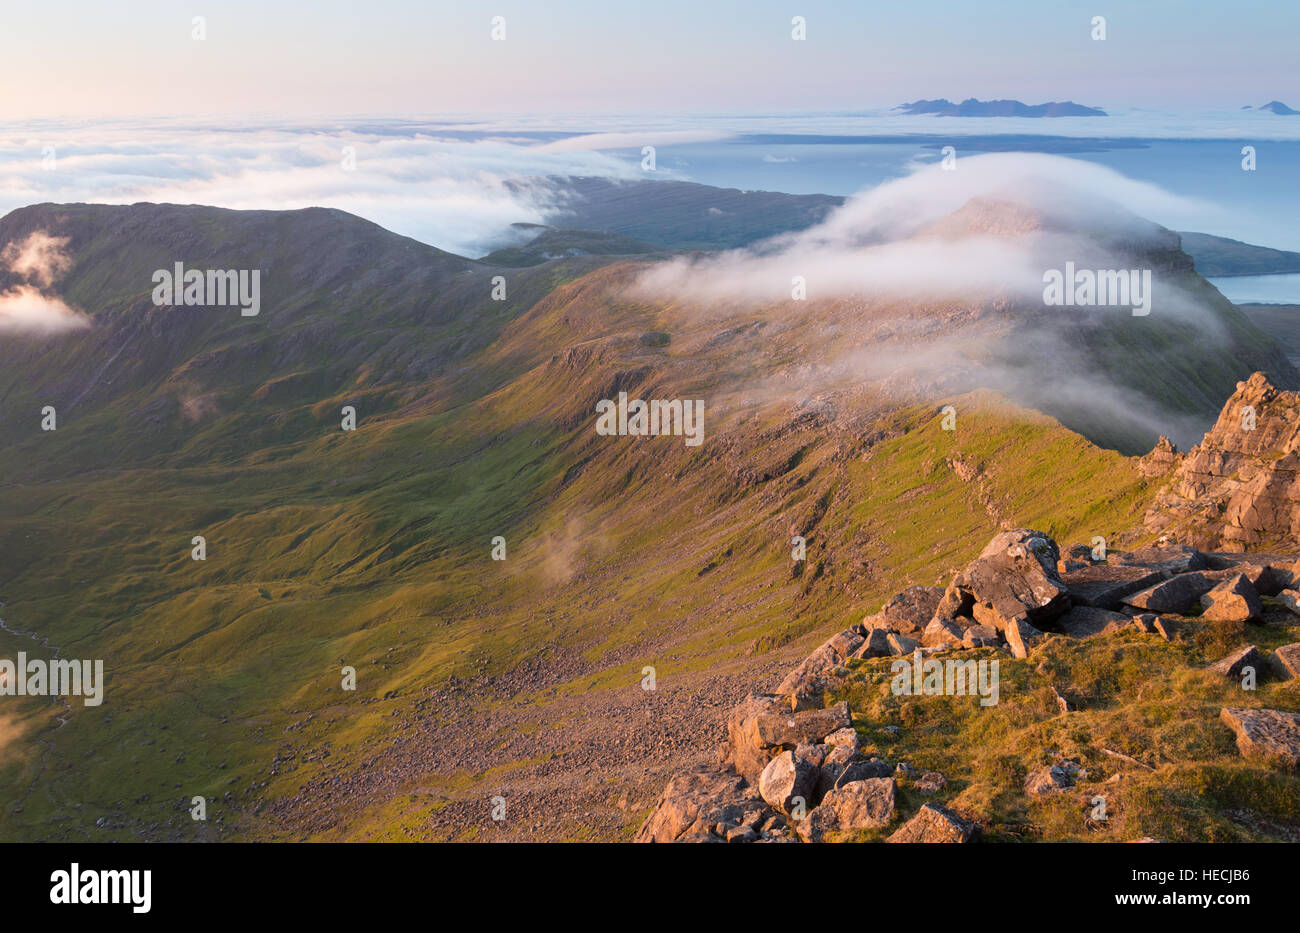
(1169, 559)
(1269, 736)
(695, 802)
(1089, 621)
(819, 670)
(1239, 660)
(843, 765)
(911, 610)
(901, 645)
(852, 807)
(981, 636)
(1290, 599)
(1233, 600)
(1180, 594)
(875, 645)
(931, 782)
(759, 728)
(844, 737)
(1103, 586)
(1145, 622)
(934, 823)
(1286, 661)
(1051, 779)
(790, 781)
(1014, 578)
(1167, 628)
(1261, 577)
(941, 632)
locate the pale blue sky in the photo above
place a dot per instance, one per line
(87, 57)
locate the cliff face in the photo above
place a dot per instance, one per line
(1237, 489)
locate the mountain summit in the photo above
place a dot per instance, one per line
(1000, 108)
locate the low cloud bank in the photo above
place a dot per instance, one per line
(981, 237)
(458, 191)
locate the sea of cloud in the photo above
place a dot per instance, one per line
(443, 186)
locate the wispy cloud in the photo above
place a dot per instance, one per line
(27, 307)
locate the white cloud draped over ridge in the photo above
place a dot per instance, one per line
(446, 189)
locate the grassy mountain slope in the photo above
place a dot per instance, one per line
(371, 549)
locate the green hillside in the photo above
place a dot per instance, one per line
(372, 549)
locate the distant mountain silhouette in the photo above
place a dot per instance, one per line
(1276, 106)
(1000, 108)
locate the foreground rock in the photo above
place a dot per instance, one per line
(910, 611)
(1237, 662)
(1015, 579)
(1233, 600)
(851, 807)
(695, 803)
(1286, 661)
(1167, 560)
(790, 780)
(808, 682)
(1180, 594)
(1088, 621)
(1268, 736)
(934, 823)
(1104, 586)
(760, 728)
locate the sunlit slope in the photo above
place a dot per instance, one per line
(372, 549)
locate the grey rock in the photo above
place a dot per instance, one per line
(694, 803)
(936, 824)
(1180, 594)
(1233, 600)
(911, 610)
(789, 780)
(1269, 736)
(852, 807)
(1238, 661)
(1104, 586)
(1090, 621)
(1014, 578)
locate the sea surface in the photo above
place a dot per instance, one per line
(1260, 289)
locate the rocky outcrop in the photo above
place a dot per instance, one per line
(1237, 489)
(761, 727)
(793, 768)
(1178, 594)
(1162, 458)
(695, 803)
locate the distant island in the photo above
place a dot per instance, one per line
(1000, 108)
(1274, 106)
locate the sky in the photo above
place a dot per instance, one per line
(87, 58)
